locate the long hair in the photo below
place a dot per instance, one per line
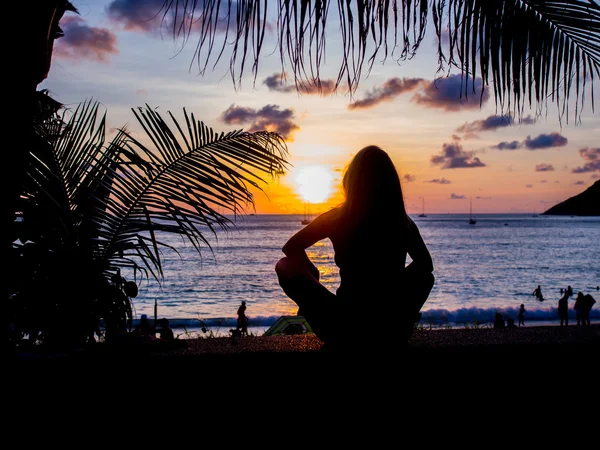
(373, 190)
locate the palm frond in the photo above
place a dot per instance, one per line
(529, 51)
(180, 181)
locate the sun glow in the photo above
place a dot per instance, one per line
(314, 183)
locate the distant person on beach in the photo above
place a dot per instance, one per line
(579, 309)
(164, 330)
(588, 303)
(499, 321)
(521, 315)
(371, 235)
(166, 338)
(144, 328)
(538, 293)
(563, 310)
(242, 320)
(569, 291)
(510, 323)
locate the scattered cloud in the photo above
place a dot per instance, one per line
(492, 123)
(445, 93)
(454, 196)
(544, 167)
(390, 89)
(439, 181)
(137, 15)
(545, 141)
(84, 42)
(148, 16)
(529, 186)
(513, 145)
(543, 181)
(579, 182)
(454, 157)
(591, 156)
(269, 118)
(409, 178)
(542, 141)
(276, 82)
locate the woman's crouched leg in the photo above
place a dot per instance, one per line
(315, 302)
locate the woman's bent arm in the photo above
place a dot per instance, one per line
(295, 247)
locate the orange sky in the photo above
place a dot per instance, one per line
(447, 149)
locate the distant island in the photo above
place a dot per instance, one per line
(585, 204)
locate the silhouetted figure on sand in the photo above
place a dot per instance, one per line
(521, 315)
(588, 302)
(242, 320)
(579, 307)
(538, 293)
(164, 330)
(499, 322)
(510, 323)
(371, 235)
(166, 338)
(144, 328)
(569, 291)
(563, 310)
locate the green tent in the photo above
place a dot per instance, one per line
(289, 325)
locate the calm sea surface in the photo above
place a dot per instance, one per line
(491, 266)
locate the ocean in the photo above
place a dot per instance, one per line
(491, 266)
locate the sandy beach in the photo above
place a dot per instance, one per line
(457, 345)
(475, 366)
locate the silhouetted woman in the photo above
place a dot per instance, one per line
(379, 296)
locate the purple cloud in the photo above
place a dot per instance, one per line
(445, 93)
(544, 167)
(148, 16)
(491, 123)
(513, 145)
(269, 118)
(409, 178)
(454, 157)
(390, 89)
(454, 196)
(529, 186)
(591, 156)
(439, 181)
(84, 42)
(137, 15)
(545, 141)
(276, 82)
(579, 182)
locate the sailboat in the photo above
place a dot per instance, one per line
(307, 215)
(423, 213)
(471, 220)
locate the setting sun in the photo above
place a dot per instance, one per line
(314, 183)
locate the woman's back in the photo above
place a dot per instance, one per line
(371, 257)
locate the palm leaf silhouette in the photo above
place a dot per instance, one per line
(90, 209)
(530, 51)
